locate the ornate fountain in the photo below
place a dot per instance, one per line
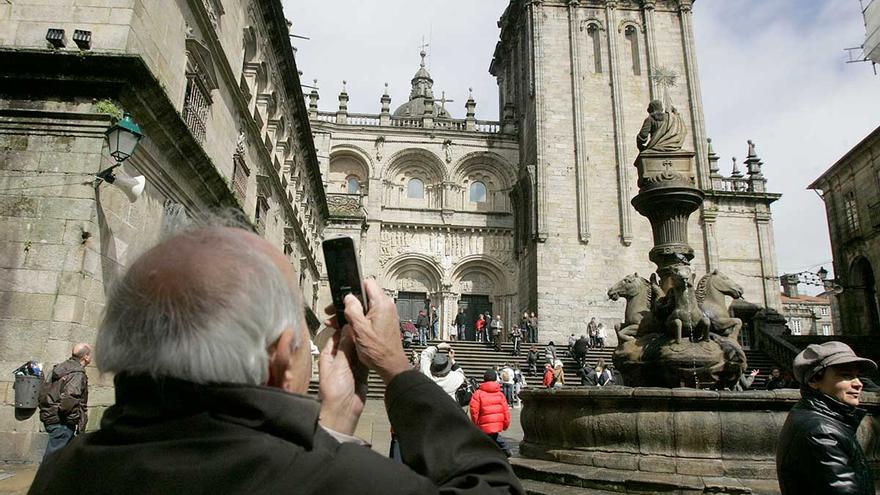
(676, 331)
(660, 433)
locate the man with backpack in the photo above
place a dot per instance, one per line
(64, 398)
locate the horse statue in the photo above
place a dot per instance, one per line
(710, 293)
(641, 297)
(685, 311)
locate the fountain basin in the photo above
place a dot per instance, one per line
(681, 431)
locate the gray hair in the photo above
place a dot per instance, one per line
(215, 333)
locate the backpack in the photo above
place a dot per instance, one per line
(466, 391)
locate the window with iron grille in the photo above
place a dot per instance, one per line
(262, 211)
(851, 212)
(240, 174)
(195, 105)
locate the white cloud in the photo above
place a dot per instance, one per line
(773, 72)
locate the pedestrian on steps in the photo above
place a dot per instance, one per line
(490, 410)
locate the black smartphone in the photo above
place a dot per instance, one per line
(344, 274)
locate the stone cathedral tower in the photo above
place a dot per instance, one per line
(575, 78)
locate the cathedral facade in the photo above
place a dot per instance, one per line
(533, 213)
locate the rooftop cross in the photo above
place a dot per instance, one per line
(443, 101)
(422, 51)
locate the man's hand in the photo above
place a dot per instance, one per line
(377, 334)
(343, 383)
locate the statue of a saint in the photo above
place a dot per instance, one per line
(661, 131)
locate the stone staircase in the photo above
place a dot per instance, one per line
(476, 357)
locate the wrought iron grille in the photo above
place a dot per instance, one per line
(195, 107)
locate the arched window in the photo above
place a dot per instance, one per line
(632, 35)
(352, 184)
(478, 192)
(415, 189)
(593, 33)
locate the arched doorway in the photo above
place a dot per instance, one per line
(862, 300)
(483, 289)
(414, 280)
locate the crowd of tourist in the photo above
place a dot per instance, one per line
(203, 405)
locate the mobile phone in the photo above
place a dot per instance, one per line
(344, 274)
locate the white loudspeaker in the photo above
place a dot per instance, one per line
(133, 187)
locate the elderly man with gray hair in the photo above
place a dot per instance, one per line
(208, 343)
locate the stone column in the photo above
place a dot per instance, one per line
(651, 45)
(535, 9)
(696, 100)
(764, 225)
(619, 134)
(583, 204)
(449, 308)
(710, 215)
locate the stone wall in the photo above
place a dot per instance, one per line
(851, 190)
(64, 241)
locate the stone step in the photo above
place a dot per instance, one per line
(533, 487)
(605, 481)
(476, 357)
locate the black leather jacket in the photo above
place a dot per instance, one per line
(817, 452)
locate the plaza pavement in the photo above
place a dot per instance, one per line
(15, 479)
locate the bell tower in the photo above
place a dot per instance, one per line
(576, 77)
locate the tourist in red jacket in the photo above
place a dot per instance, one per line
(489, 409)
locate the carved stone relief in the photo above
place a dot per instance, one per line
(445, 245)
(413, 281)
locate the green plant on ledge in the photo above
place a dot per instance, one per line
(109, 107)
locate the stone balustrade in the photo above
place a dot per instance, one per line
(375, 120)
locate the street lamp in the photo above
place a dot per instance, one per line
(123, 139)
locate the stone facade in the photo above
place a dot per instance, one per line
(805, 314)
(575, 78)
(428, 199)
(851, 191)
(214, 87)
(574, 81)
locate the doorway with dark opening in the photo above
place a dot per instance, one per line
(474, 305)
(410, 303)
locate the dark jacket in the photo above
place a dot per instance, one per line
(817, 452)
(533, 357)
(171, 436)
(422, 321)
(67, 402)
(459, 319)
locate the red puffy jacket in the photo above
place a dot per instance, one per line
(489, 409)
(549, 378)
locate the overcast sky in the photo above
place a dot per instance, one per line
(771, 71)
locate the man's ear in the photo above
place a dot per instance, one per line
(279, 357)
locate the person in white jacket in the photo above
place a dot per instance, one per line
(441, 367)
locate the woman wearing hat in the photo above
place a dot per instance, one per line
(817, 452)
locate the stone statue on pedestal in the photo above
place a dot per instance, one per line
(661, 131)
